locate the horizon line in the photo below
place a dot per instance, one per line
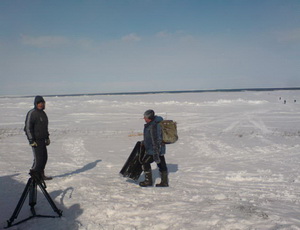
(155, 92)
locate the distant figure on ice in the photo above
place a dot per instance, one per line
(36, 129)
(155, 150)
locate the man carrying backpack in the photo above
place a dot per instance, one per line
(155, 150)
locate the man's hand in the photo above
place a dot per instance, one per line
(47, 141)
(33, 143)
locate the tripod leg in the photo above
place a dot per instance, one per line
(32, 197)
(20, 203)
(32, 194)
(46, 194)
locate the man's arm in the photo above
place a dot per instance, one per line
(29, 127)
(155, 143)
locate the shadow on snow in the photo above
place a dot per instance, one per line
(11, 191)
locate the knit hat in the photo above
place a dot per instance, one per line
(149, 114)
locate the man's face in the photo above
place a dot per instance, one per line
(40, 106)
(147, 120)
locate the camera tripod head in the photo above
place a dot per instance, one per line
(37, 177)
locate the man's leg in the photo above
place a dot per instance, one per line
(38, 162)
(162, 165)
(147, 160)
(44, 162)
(163, 169)
(40, 159)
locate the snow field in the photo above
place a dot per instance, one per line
(235, 166)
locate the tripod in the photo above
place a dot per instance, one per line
(31, 189)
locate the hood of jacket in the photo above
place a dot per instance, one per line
(37, 100)
(158, 119)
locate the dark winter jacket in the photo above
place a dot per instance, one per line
(153, 137)
(36, 123)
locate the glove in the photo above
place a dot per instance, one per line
(156, 158)
(47, 141)
(32, 143)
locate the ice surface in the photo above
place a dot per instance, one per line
(235, 165)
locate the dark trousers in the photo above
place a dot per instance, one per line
(40, 155)
(148, 159)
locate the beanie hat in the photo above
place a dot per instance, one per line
(149, 114)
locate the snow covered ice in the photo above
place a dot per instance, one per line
(235, 165)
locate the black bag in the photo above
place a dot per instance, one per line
(133, 167)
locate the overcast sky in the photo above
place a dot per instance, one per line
(99, 46)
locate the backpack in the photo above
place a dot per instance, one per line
(169, 131)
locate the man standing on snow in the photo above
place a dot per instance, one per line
(36, 129)
(155, 150)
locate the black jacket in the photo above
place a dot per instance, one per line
(36, 123)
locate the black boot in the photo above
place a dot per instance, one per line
(164, 180)
(148, 180)
(46, 177)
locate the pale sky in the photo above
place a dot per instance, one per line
(100, 46)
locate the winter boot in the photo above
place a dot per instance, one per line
(46, 177)
(164, 180)
(148, 180)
